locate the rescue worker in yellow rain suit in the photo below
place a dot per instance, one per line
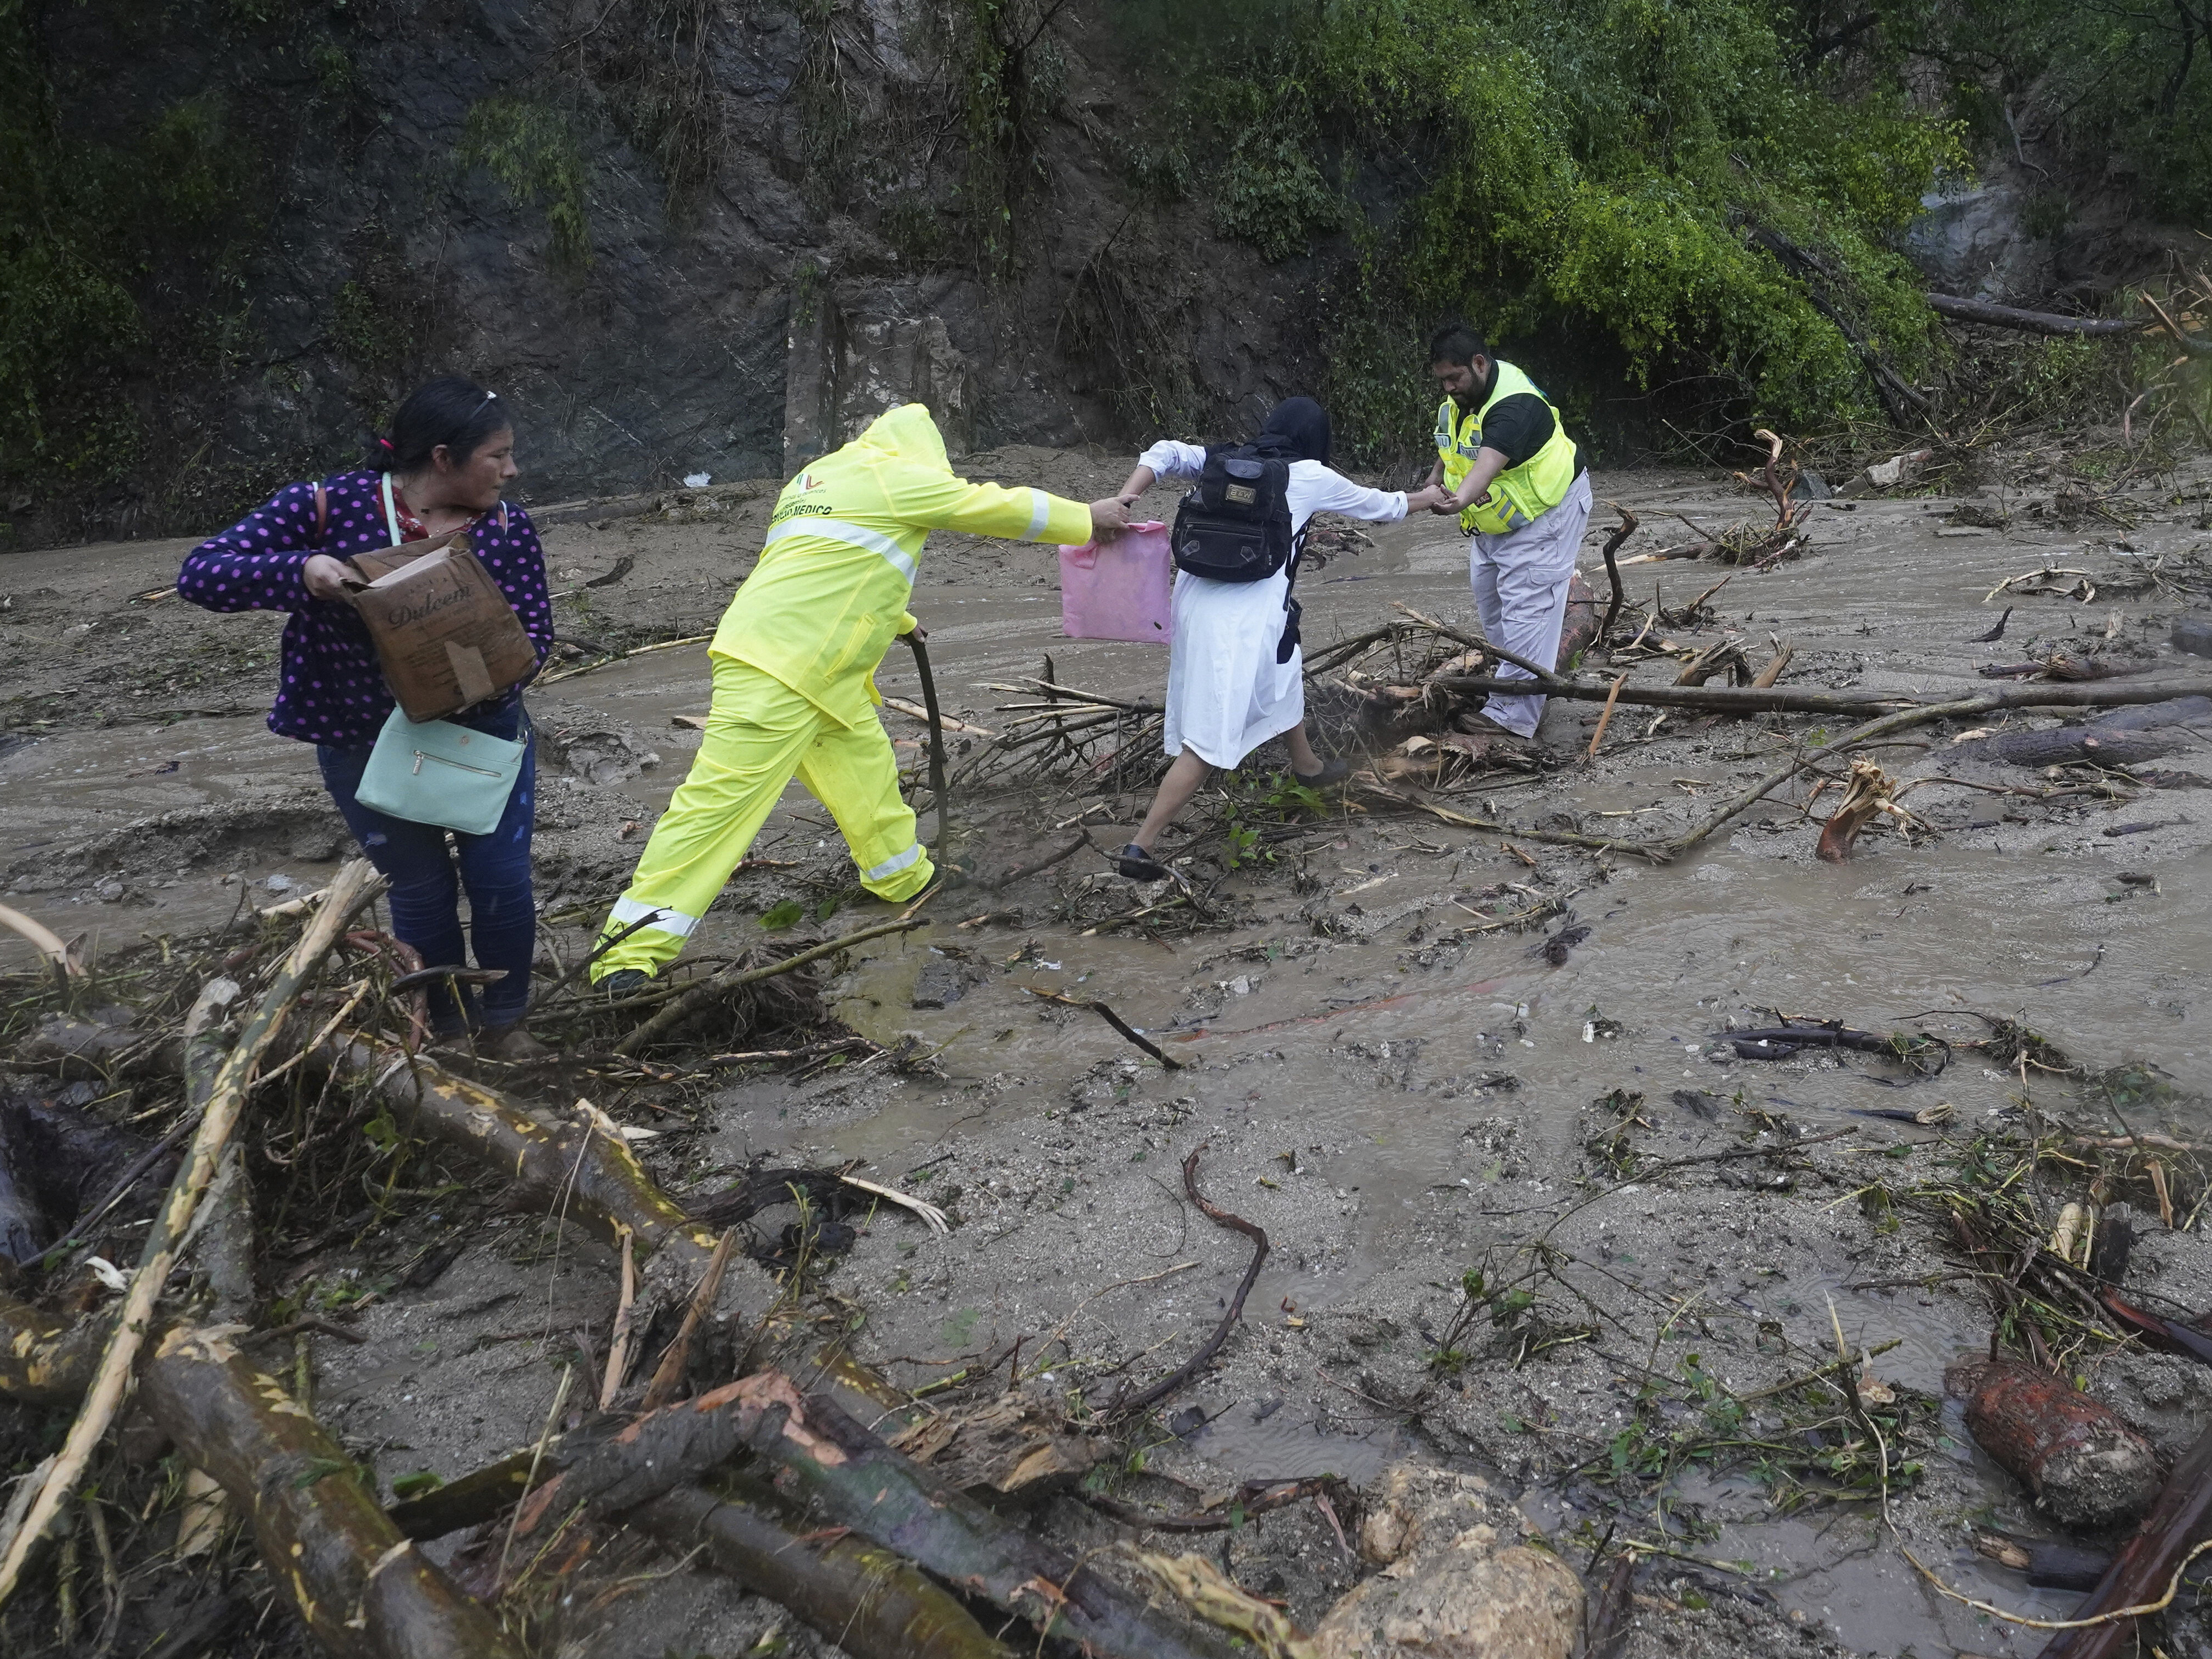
(794, 663)
(1520, 490)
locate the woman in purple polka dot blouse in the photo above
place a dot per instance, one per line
(449, 451)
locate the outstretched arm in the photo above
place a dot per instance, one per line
(1488, 464)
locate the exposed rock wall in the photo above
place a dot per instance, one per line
(649, 311)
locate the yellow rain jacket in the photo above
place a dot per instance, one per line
(794, 678)
(1520, 494)
(830, 593)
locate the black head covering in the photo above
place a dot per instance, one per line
(1296, 430)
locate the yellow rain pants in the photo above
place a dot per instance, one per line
(795, 666)
(760, 734)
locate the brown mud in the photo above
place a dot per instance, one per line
(1395, 1099)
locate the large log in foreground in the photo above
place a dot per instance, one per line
(226, 1090)
(354, 1577)
(359, 1584)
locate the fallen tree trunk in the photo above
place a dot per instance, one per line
(352, 1576)
(2031, 322)
(2127, 737)
(825, 1458)
(355, 1581)
(870, 1602)
(574, 1165)
(2147, 1566)
(1717, 700)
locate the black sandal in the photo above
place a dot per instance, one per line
(1135, 864)
(1333, 771)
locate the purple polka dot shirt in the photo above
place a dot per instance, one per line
(332, 691)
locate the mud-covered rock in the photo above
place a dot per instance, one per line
(596, 751)
(1457, 1580)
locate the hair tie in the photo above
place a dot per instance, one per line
(386, 442)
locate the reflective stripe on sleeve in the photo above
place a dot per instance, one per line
(1040, 511)
(628, 910)
(852, 535)
(892, 866)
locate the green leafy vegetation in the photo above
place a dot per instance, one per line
(530, 147)
(1709, 189)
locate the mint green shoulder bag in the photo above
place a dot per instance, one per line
(442, 773)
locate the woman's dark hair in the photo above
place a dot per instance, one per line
(452, 410)
(1456, 342)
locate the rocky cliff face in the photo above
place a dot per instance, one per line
(679, 236)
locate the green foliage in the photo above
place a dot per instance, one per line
(1599, 163)
(531, 148)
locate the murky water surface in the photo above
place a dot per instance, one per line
(2000, 917)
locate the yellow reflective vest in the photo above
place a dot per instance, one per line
(1520, 494)
(830, 591)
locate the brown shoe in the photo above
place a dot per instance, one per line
(511, 1043)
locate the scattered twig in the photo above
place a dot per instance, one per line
(1112, 1020)
(1190, 1367)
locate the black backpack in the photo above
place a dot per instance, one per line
(1235, 526)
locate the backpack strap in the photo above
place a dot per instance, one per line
(322, 513)
(503, 518)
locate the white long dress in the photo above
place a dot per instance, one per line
(1226, 693)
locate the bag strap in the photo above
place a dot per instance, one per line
(322, 513)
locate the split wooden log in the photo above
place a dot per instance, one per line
(1764, 680)
(2148, 1566)
(2085, 1466)
(359, 1585)
(1869, 792)
(869, 1601)
(823, 1457)
(355, 883)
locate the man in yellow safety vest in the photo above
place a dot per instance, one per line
(794, 664)
(1520, 488)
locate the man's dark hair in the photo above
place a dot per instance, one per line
(452, 410)
(1456, 342)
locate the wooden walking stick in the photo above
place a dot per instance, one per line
(936, 732)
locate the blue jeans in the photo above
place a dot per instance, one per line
(425, 893)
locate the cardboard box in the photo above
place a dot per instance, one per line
(444, 633)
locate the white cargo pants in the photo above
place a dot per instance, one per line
(1520, 581)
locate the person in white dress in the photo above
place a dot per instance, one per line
(1227, 693)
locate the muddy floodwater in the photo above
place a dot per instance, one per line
(1393, 1097)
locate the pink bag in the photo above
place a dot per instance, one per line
(1118, 590)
